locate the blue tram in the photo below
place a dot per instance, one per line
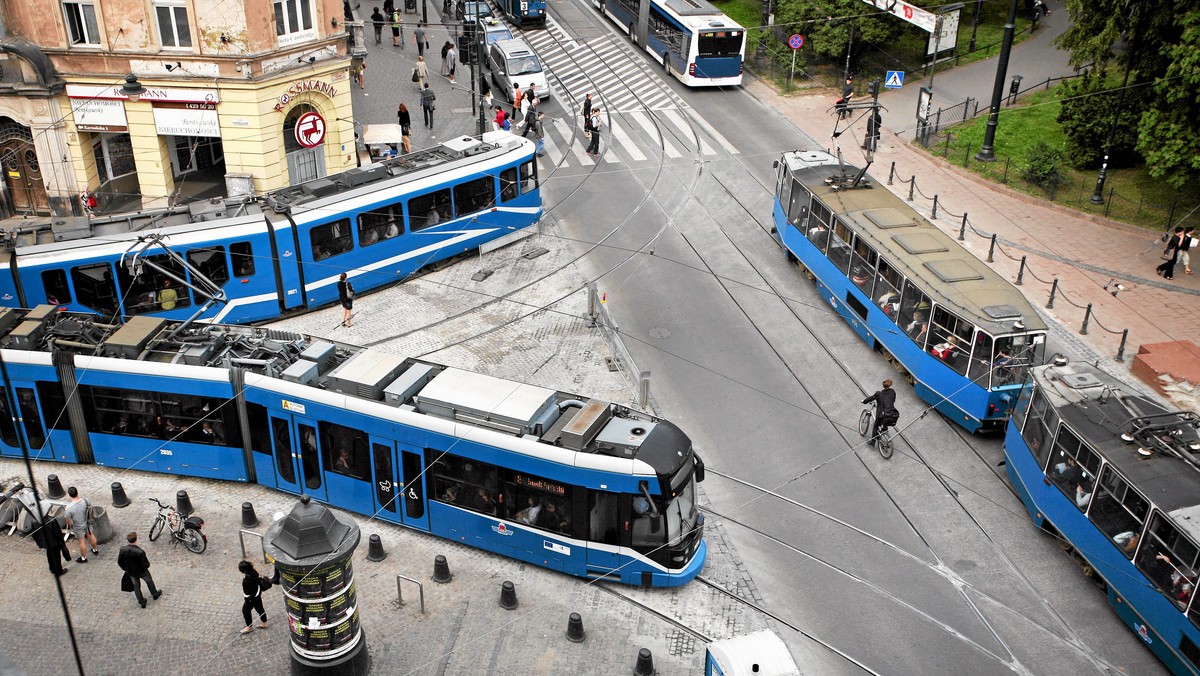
(525, 13)
(961, 334)
(1117, 476)
(587, 487)
(252, 259)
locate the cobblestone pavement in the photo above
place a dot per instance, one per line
(526, 322)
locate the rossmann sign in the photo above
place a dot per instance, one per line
(298, 88)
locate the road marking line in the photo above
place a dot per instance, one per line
(626, 142)
(652, 134)
(688, 133)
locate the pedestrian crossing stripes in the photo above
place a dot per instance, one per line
(630, 137)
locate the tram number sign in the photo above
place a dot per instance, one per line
(310, 130)
(796, 41)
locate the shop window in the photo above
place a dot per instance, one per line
(243, 258)
(331, 239)
(173, 29)
(508, 184)
(114, 156)
(210, 262)
(426, 211)
(82, 28)
(55, 284)
(474, 195)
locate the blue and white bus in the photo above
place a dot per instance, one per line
(692, 39)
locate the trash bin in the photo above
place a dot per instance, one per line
(101, 528)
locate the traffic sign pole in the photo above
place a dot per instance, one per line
(795, 42)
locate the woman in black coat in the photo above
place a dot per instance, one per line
(346, 298)
(405, 122)
(252, 596)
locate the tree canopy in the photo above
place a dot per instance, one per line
(1159, 40)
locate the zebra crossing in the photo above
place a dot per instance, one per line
(633, 137)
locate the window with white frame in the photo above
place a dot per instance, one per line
(293, 20)
(82, 28)
(173, 29)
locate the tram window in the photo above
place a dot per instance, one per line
(983, 363)
(146, 288)
(1119, 511)
(475, 195)
(243, 258)
(1168, 559)
(508, 184)
(256, 416)
(309, 452)
(529, 178)
(385, 488)
(783, 190)
(94, 288)
(8, 430)
(1186, 646)
(54, 406)
(186, 417)
(951, 339)
(839, 246)
(798, 200)
(539, 502)
(1073, 467)
(467, 483)
(379, 224)
(331, 239)
(914, 313)
(1040, 426)
(818, 225)
(862, 266)
(345, 450)
(426, 211)
(210, 262)
(604, 517)
(283, 449)
(887, 289)
(55, 284)
(32, 418)
(414, 490)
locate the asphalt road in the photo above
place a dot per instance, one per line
(923, 564)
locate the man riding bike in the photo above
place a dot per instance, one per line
(886, 413)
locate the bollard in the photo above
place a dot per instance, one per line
(1053, 292)
(249, 518)
(183, 504)
(1087, 317)
(1021, 272)
(1121, 350)
(962, 229)
(575, 628)
(508, 596)
(441, 570)
(645, 663)
(934, 216)
(644, 388)
(375, 549)
(992, 250)
(912, 185)
(54, 489)
(891, 173)
(101, 526)
(118, 494)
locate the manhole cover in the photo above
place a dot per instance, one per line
(660, 333)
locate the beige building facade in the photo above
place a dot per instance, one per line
(132, 100)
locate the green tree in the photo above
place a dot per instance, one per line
(1159, 42)
(1088, 105)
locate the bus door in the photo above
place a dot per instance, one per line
(605, 528)
(412, 482)
(297, 453)
(10, 444)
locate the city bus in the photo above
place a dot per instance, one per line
(692, 39)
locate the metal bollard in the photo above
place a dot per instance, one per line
(1021, 272)
(962, 229)
(645, 663)
(508, 596)
(441, 570)
(1121, 349)
(183, 504)
(375, 549)
(54, 489)
(992, 250)
(249, 518)
(934, 216)
(1053, 293)
(118, 495)
(1087, 317)
(644, 388)
(912, 186)
(575, 628)
(891, 173)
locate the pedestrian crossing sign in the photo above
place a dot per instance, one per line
(894, 80)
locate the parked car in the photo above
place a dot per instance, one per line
(494, 30)
(515, 61)
(471, 11)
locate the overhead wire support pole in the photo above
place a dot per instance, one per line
(987, 152)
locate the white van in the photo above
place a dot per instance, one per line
(515, 61)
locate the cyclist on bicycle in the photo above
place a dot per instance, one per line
(886, 413)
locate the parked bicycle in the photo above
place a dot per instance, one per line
(883, 440)
(186, 530)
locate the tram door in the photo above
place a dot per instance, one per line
(605, 526)
(10, 445)
(412, 480)
(24, 422)
(297, 450)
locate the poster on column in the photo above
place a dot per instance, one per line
(186, 119)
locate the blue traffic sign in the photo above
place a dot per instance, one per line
(796, 41)
(894, 79)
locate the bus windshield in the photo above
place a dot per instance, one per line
(720, 43)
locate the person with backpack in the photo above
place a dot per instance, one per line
(253, 585)
(886, 414)
(594, 125)
(397, 28)
(377, 21)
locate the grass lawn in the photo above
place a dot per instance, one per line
(1136, 198)
(746, 12)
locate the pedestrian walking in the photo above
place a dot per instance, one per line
(524, 106)
(539, 132)
(377, 20)
(346, 298)
(50, 537)
(446, 50)
(357, 67)
(843, 103)
(1167, 269)
(587, 114)
(593, 148)
(1185, 245)
(252, 589)
(452, 61)
(420, 73)
(420, 39)
(397, 29)
(132, 559)
(516, 101)
(500, 121)
(427, 105)
(487, 95)
(77, 522)
(405, 122)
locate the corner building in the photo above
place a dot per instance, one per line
(224, 86)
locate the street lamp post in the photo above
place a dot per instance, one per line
(974, 25)
(1098, 195)
(987, 152)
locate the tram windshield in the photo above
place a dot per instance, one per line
(681, 513)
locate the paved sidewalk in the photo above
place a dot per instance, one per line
(1082, 251)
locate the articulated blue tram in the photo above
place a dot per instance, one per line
(1117, 476)
(584, 486)
(251, 259)
(525, 13)
(961, 333)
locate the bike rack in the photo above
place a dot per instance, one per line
(400, 590)
(261, 543)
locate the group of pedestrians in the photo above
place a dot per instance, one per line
(1179, 245)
